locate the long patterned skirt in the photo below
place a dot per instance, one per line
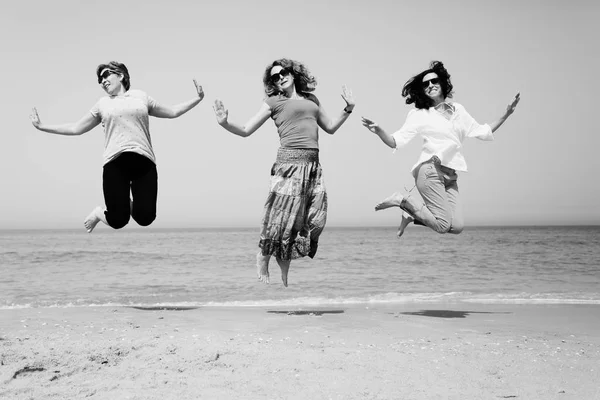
(296, 208)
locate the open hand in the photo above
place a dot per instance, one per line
(199, 90)
(511, 107)
(220, 112)
(348, 98)
(35, 118)
(371, 125)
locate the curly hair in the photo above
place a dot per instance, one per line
(303, 80)
(117, 67)
(413, 88)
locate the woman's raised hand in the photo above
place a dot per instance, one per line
(511, 107)
(371, 125)
(35, 118)
(220, 112)
(199, 90)
(348, 98)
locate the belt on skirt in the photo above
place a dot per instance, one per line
(286, 154)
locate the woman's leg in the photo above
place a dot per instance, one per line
(97, 215)
(455, 204)
(144, 191)
(295, 211)
(456, 207)
(316, 215)
(262, 267)
(285, 268)
(406, 220)
(435, 212)
(115, 185)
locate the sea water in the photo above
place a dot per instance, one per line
(216, 267)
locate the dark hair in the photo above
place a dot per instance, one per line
(413, 88)
(303, 80)
(116, 67)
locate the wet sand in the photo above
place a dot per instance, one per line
(402, 351)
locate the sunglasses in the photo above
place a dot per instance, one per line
(105, 74)
(276, 77)
(433, 81)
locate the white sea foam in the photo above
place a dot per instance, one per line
(388, 298)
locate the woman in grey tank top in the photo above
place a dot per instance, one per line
(296, 207)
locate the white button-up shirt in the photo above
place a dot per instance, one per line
(442, 137)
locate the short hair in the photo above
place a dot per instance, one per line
(118, 68)
(413, 89)
(303, 80)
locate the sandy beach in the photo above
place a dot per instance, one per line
(406, 351)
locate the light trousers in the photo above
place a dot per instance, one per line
(441, 209)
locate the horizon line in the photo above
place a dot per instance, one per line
(141, 229)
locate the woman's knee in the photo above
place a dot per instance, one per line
(117, 221)
(442, 229)
(457, 226)
(442, 226)
(456, 229)
(144, 219)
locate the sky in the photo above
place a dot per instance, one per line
(540, 170)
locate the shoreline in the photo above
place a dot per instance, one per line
(407, 351)
(423, 299)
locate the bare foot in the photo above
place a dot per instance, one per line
(285, 268)
(406, 220)
(92, 220)
(393, 201)
(262, 267)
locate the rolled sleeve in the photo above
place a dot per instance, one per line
(408, 131)
(473, 129)
(482, 132)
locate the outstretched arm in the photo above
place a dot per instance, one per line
(162, 111)
(509, 110)
(329, 125)
(85, 124)
(376, 129)
(246, 130)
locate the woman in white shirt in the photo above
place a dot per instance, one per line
(443, 125)
(129, 161)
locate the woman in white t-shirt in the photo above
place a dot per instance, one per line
(443, 125)
(129, 161)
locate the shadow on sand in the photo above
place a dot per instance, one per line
(448, 313)
(308, 312)
(164, 308)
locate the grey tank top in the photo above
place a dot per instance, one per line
(296, 121)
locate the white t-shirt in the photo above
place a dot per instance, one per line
(442, 137)
(126, 124)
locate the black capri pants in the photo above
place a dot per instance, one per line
(130, 172)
